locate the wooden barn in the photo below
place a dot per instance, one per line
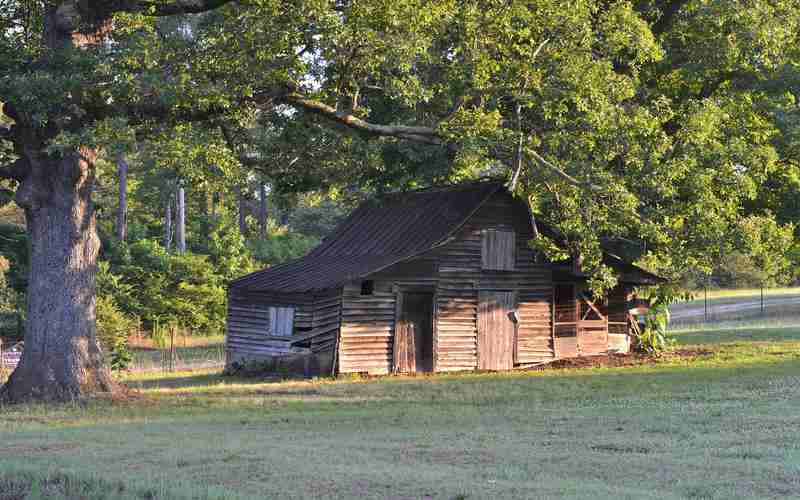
(426, 281)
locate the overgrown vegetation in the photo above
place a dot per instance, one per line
(654, 338)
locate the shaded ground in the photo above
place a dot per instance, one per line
(715, 421)
(617, 360)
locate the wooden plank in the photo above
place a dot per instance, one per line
(495, 331)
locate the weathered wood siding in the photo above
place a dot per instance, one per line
(248, 328)
(325, 318)
(367, 329)
(455, 271)
(461, 276)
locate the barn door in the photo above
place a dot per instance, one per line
(495, 330)
(413, 335)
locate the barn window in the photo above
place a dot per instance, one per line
(367, 287)
(281, 321)
(497, 249)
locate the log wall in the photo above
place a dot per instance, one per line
(316, 325)
(461, 276)
(454, 272)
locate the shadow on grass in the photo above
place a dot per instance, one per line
(654, 380)
(216, 379)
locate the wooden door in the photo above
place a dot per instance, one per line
(495, 330)
(413, 336)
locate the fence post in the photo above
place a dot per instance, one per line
(705, 304)
(762, 299)
(172, 348)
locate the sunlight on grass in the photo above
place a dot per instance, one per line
(711, 425)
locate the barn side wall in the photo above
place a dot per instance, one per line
(453, 272)
(368, 320)
(461, 276)
(316, 317)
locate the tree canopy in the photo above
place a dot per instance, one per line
(666, 130)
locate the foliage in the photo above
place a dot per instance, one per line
(281, 246)
(669, 130)
(113, 329)
(654, 339)
(182, 289)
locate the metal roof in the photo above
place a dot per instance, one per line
(379, 233)
(387, 230)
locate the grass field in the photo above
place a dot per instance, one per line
(721, 424)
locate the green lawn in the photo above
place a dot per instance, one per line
(720, 425)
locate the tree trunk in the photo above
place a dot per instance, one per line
(168, 223)
(62, 359)
(122, 209)
(240, 211)
(262, 211)
(181, 229)
(207, 210)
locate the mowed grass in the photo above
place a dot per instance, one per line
(719, 425)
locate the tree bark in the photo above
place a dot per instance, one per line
(168, 223)
(262, 211)
(181, 229)
(62, 359)
(122, 209)
(241, 211)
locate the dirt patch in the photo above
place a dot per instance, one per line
(616, 360)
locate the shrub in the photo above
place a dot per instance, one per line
(654, 338)
(113, 327)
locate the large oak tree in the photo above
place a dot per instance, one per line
(652, 127)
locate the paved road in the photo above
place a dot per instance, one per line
(747, 304)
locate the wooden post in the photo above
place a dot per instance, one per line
(705, 303)
(262, 211)
(181, 229)
(122, 209)
(172, 348)
(762, 299)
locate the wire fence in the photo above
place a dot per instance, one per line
(751, 305)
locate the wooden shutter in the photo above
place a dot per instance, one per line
(281, 321)
(498, 249)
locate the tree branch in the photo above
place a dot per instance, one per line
(534, 157)
(6, 133)
(15, 171)
(426, 135)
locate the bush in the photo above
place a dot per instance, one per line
(155, 285)
(113, 328)
(654, 338)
